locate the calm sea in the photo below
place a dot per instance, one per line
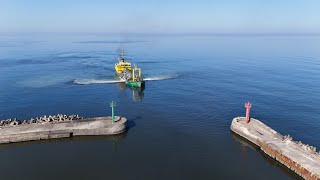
(179, 124)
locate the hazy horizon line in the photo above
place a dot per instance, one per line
(172, 34)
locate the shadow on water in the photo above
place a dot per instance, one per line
(247, 144)
(132, 122)
(137, 93)
(111, 138)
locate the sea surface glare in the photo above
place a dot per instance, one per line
(179, 124)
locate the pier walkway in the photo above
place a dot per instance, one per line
(301, 158)
(62, 129)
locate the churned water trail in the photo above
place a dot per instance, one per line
(96, 81)
(159, 78)
(110, 81)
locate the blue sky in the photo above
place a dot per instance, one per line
(162, 16)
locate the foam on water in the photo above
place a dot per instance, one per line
(158, 78)
(110, 81)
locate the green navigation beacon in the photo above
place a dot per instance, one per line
(112, 105)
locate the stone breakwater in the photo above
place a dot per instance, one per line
(42, 119)
(58, 126)
(300, 158)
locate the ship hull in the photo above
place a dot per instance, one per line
(131, 83)
(135, 84)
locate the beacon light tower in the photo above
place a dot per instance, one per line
(247, 106)
(112, 105)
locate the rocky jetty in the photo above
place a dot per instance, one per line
(311, 149)
(42, 119)
(301, 158)
(59, 126)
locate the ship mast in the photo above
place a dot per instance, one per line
(122, 55)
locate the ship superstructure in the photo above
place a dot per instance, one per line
(132, 76)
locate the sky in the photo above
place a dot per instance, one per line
(161, 16)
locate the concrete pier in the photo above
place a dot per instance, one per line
(38, 130)
(300, 158)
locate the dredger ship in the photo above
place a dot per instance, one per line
(132, 76)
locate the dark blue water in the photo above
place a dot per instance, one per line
(179, 124)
